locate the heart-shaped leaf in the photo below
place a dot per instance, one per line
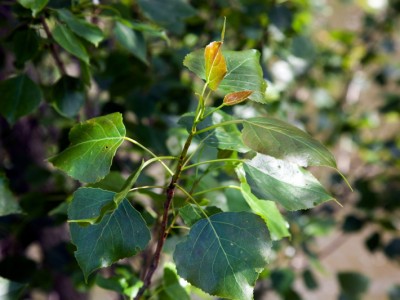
(93, 145)
(284, 141)
(281, 181)
(121, 233)
(224, 254)
(215, 65)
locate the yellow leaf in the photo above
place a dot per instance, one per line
(236, 97)
(215, 65)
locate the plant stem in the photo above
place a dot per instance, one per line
(212, 161)
(218, 188)
(220, 125)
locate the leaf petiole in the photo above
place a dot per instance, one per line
(239, 121)
(212, 161)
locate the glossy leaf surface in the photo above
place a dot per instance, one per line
(289, 185)
(20, 96)
(67, 39)
(224, 254)
(267, 210)
(81, 27)
(93, 145)
(284, 141)
(215, 65)
(131, 40)
(244, 72)
(121, 233)
(8, 203)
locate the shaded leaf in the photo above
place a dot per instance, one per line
(352, 283)
(20, 96)
(11, 290)
(244, 72)
(289, 185)
(25, 45)
(172, 287)
(35, 5)
(81, 27)
(309, 280)
(8, 203)
(215, 65)
(224, 254)
(68, 96)
(121, 233)
(191, 213)
(67, 39)
(236, 97)
(93, 145)
(281, 140)
(131, 40)
(267, 210)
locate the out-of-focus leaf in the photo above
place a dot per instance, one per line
(11, 290)
(172, 287)
(309, 280)
(236, 97)
(8, 203)
(392, 249)
(373, 242)
(394, 292)
(67, 39)
(121, 233)
(25, 45)
(285, 183)
(34, 5)
(131, 40)
(84, 29)
(267, 210)
(215, 65)
(353, 224)
(93, 145)
(224, 254)
(20, 96)
(353, 284)
(282, 280)
(68, 96)
(281, 140)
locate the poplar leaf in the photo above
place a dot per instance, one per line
(215, 65)
(236, 97)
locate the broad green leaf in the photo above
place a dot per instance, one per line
(11, 290)
(81, 27)
(244, 72)
(25, 45)
(68, 96)
(236, 97)
(289, 185)
(284, 141)
(267, 210)
(67, 39)
(215, 65)
(168, 14)
(93, 145)
(224, 137)
(191, 213)
(20, 96)
(131, 40)
(34, 5)
(171, 286)
(353, 284)
(8, 203)
(224, 254)
(121, 233)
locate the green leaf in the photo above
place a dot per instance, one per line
(289, 185)
(67, 39)
(25, 45)
(223, 255)
(353, 284)
(11, 290)
(68, 96)
(84, 29)
(281, 140)
(244, 72)
(191, 213)
(172, 287)
(269, 212)
(168, 14)
(121, 233)
(8, 203)
(34, 5)
(215, 65)
(224, 137)
(93, 145)
(20, 96)
(131, 40)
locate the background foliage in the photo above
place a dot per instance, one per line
(332, 69)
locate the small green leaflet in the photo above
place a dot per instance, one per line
(20, 96)
(93, 145)
(244, 72)
(84, 29)
(35, 5)
(121, 233)
(289, 185)
(67, 39)
(268, 211)
(172, 290)
(8, 203)
(284, 141)
(224, 254)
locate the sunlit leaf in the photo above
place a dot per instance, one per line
(172, 289)
(289, 185)
(284, 141)
(121, 233)
(236, 97)
(223, 255)
(214, 64)
(93, 145)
